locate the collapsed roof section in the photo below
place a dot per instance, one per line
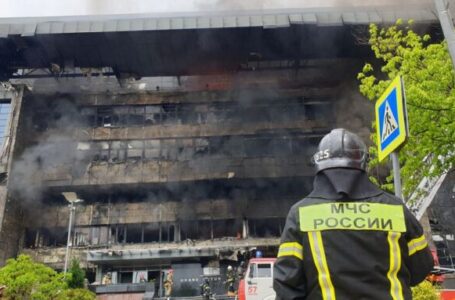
(192, 43)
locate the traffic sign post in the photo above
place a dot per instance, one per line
(391, 126)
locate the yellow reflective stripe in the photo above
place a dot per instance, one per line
(291, 249)
(396, 290)
(319, 258)
(417, 245)
(352, 216)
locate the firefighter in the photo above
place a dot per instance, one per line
(206, 291)
(230, 281)
(241, 270)
(348, 239)
(107, 279)
(168, 282)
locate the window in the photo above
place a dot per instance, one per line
(134, 233)
(117, 151)
(261, 270)
(104, 117)
(136, 116)
(169, 149)
(4, 117)
(264, 270)
(135, 149)
(151, 232)
(120, 116)
(126, 277)
(101, 151)
(152, 114)
(185, 149)
(152, 149)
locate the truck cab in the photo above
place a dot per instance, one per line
(258, 281)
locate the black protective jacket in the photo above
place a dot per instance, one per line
(350, 240)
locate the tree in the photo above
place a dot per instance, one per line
(430, 94)
(76, 280)
(76, 294)
(25, 279)
(425, 291)
(28, 280)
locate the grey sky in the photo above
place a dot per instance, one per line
(45, 8)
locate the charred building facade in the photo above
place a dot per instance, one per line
(188, 139)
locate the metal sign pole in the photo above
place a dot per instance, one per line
(392, 127)
(396, 175)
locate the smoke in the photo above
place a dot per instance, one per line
(27, 8)
(352, 110)
(50, 149)
(254, 147)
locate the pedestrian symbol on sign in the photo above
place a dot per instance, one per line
(390, 123)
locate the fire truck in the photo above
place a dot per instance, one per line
(258, 281)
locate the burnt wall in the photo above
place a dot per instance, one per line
(201, 158)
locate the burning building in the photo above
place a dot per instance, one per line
(188, 136)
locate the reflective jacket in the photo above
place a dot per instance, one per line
(350, 240)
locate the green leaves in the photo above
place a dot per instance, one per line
(77, 275)
(425, 291)
(429, 86)
(27, 280)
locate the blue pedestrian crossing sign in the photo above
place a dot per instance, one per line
(391, 119)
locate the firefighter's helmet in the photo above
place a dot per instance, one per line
(341, 149)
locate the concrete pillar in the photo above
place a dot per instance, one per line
(177, 237)
(99, 274)
(245, 228)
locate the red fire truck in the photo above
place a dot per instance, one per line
(258, 281)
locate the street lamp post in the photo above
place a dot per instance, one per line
(72, 198)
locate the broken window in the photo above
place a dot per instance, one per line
(134, 233)
(226, 228)
(104, 117)
(268, 227)
(151, 232)
(118, 233)
(185, 149)
(135, 149)
(167, 232)
(205, 230)
(120, 116)
(152, 149)
(80, 236)
(117, 152)
(136, 116)
(170, 114)
(152, 114)
(83, 151)
(201, 147)
(169, 149)
(189, 230)
(101, 151)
